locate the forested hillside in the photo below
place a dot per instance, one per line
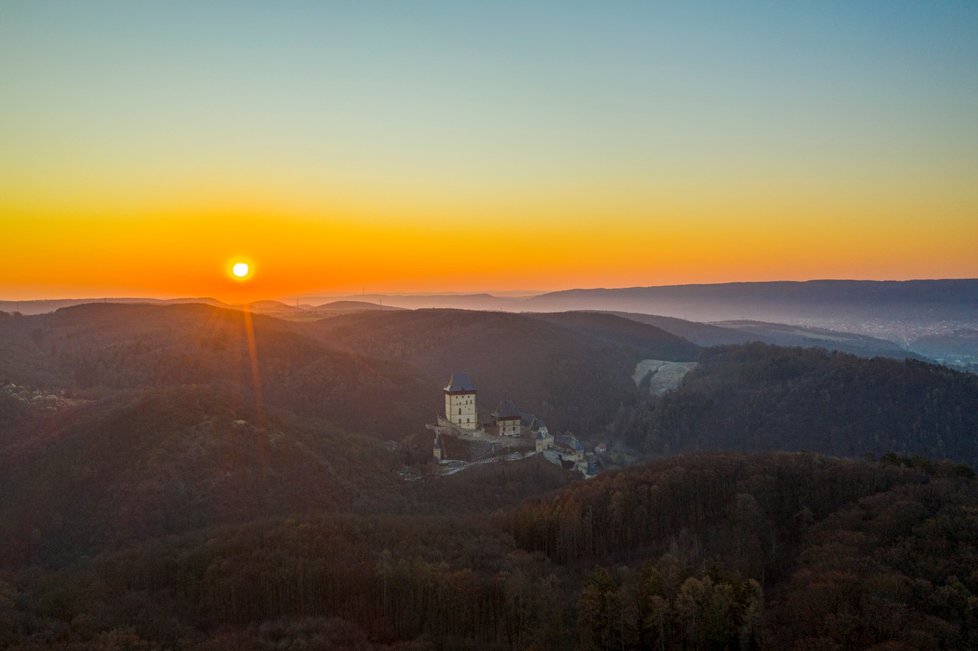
(136, 466)
(758, 398)
(695, 552)
(95, 349)
(793, 551)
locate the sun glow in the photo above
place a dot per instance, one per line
(241, 270)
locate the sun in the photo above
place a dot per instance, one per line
(241, 270)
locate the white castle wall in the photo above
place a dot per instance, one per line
(460, 410)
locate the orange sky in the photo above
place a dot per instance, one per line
(341, 150)
(663, 242)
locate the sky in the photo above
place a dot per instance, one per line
(459, 146)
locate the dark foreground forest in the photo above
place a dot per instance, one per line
(709, 551)
(188, 477)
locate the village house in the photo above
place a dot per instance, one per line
(543, 440)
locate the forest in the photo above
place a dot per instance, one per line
(705, 551)
(190, 477)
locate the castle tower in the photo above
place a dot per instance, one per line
(460, 402)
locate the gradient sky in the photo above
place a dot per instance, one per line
(448, 146)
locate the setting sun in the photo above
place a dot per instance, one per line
(241, 270)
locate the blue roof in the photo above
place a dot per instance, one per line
(460, 382)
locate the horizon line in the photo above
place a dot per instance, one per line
(503, 294)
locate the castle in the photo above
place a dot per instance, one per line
(459, 435)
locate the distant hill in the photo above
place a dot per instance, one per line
(352, 306)
(45, 306)
(311, 312)
(479, 301)
(742, 332)
(780, 334)
(960, 292)
(275, 308)
(828, 303)
(899, 311)
(270, 307)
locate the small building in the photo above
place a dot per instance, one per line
(460, 407)
(543, 440)
(507, 418)
(569, 447)
(601, 448)
(439, 448)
